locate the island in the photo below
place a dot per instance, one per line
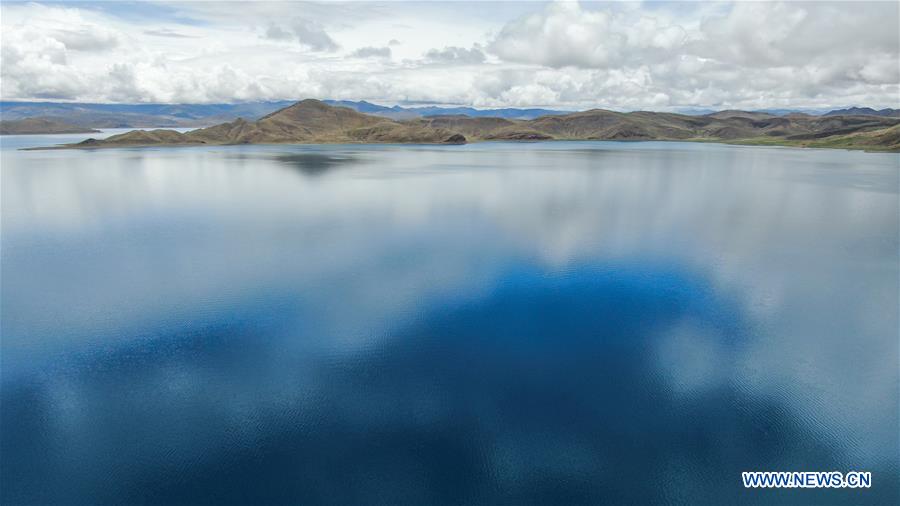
(315, 122)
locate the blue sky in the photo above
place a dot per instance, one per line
(619, 55)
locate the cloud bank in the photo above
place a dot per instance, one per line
(567, 55)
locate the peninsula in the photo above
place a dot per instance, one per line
(315, 122)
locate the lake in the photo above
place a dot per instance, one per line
(494, 323)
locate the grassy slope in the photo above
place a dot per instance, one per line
(313, 122)
(884, 139)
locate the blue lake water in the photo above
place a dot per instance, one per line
(497, 323)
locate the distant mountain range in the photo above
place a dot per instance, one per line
(864, 111)
(307, 121)
(31, 126)
(201, 115)
(397, 112)
(313, 121)
(138, 115)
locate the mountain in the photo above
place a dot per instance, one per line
(507, 113)
(732, 113)
(727, 126)
(41, 126)
(692, 111)
(397, 112)
(864, 111)
(201, 115)
(313, 121)
(309, 121)
(138, 115)
(786, 112)
(887, 139)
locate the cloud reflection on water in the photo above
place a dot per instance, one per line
(430, 320)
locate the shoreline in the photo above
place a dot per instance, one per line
(737, 142)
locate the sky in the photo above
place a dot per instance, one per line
(564, 55)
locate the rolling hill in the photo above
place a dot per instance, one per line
(31, 126)
(313, 121)
(864, 111)
(201, 115)
(137, 115)
(307, 121)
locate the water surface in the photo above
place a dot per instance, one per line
(496, 323)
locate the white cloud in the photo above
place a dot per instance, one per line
(86, 38)
(167, 32)
(372, 52)
(308, 33)
(36, 66)
(755, 53)
(564, 55)
(562, 35)
(456, 55)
